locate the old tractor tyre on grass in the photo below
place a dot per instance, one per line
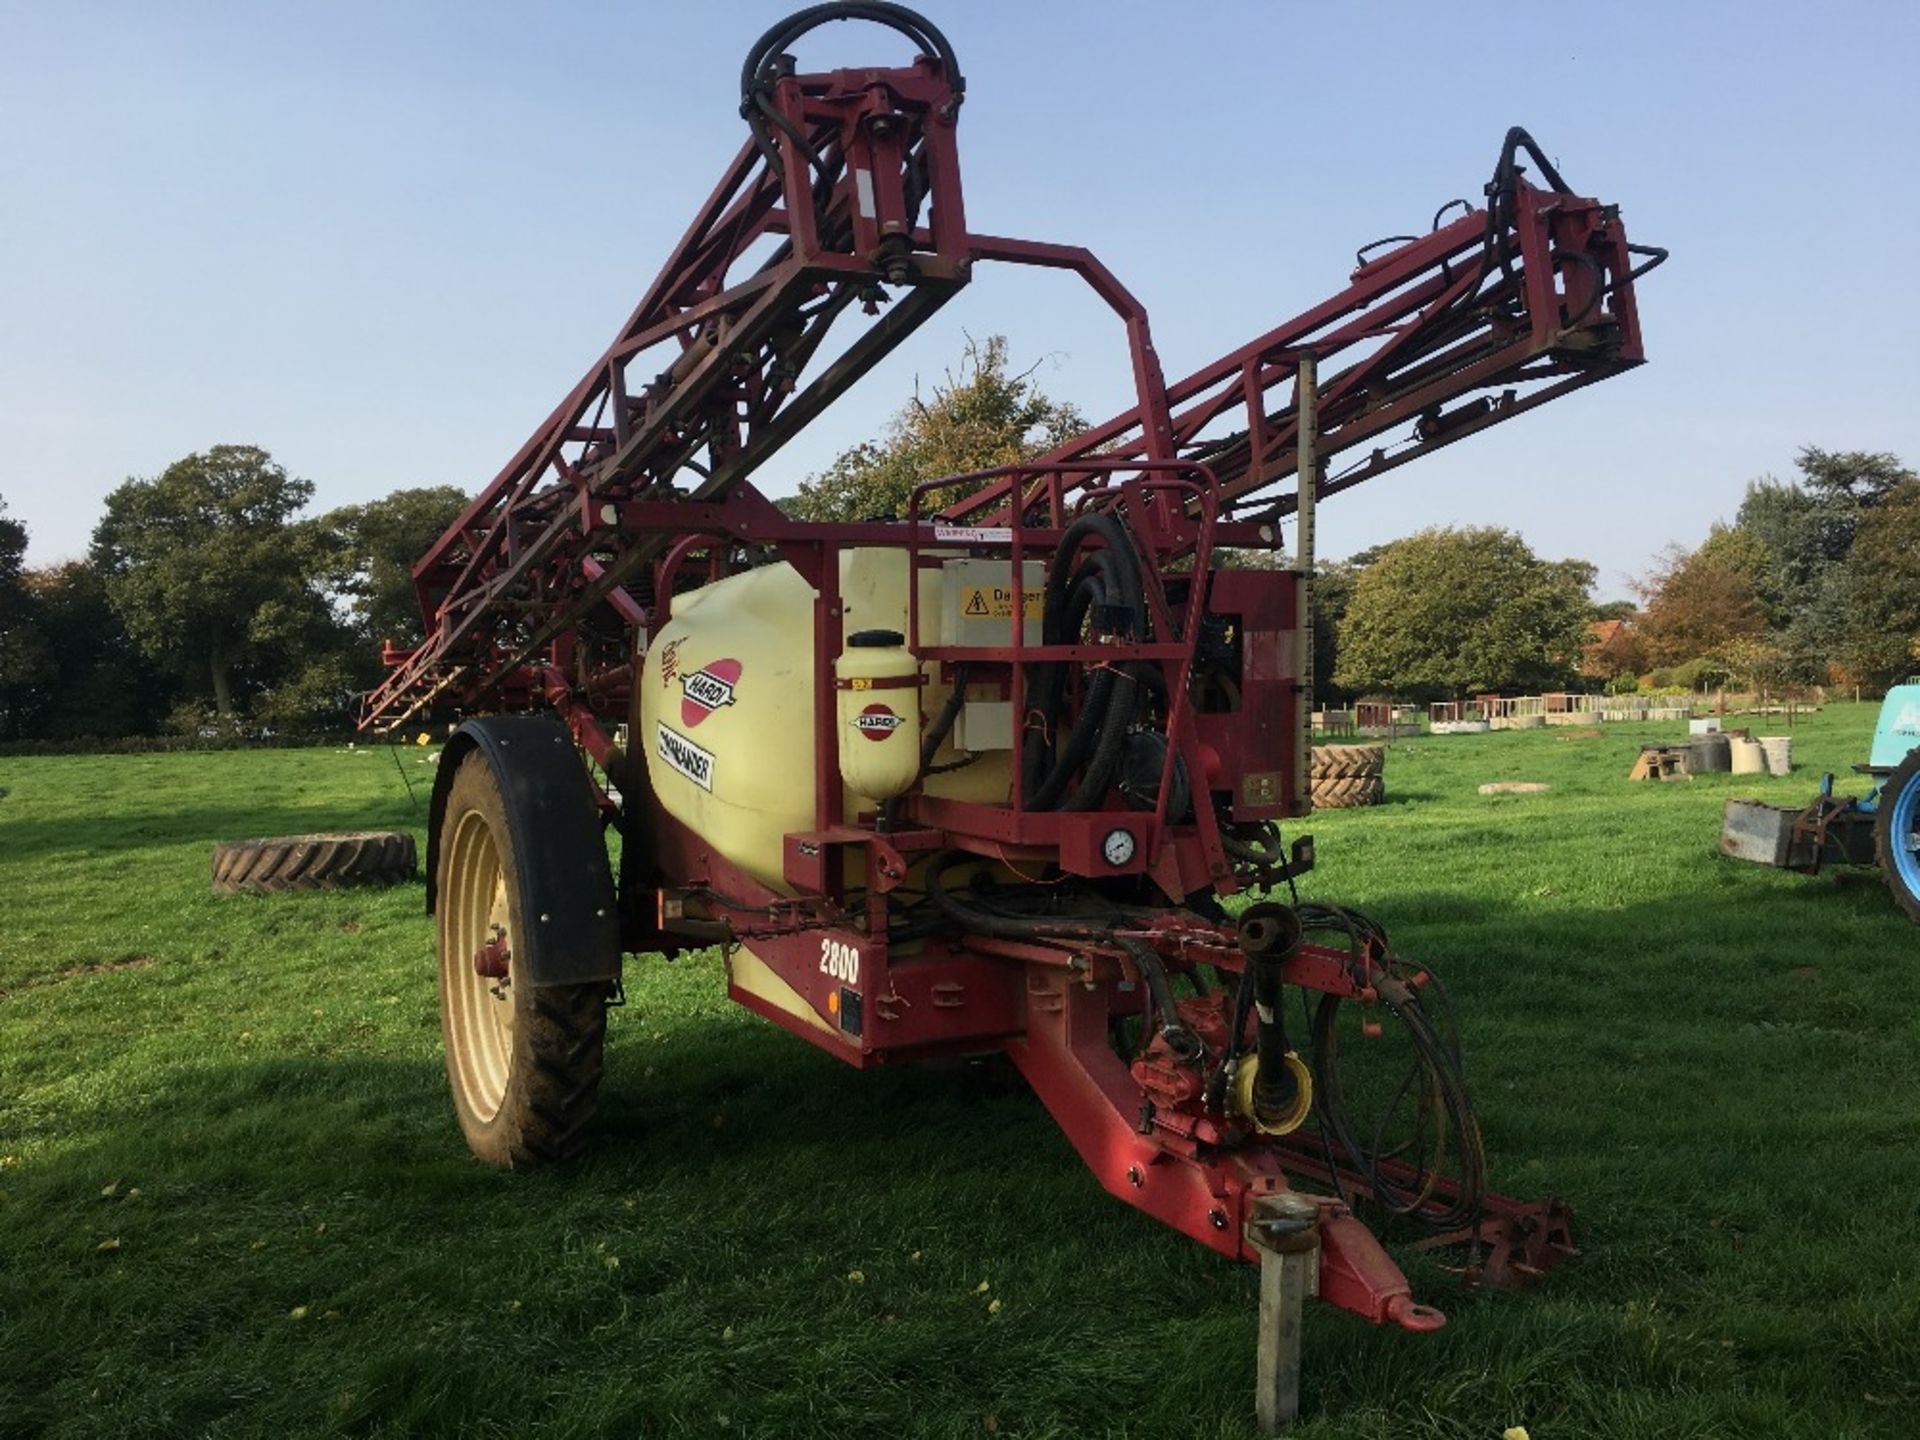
(1350, 792)
(1342, 762)
(313, 862)
(524, 1060)
(1896, 835)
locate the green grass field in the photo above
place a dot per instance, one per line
(233, 1200)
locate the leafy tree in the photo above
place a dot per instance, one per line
(212, 575)
(1881, 587)
(1462, 611)
(1861, 477)
(378, 544)
(1755, 662)
(978, 418)
(1740, 549)
(1783, 540)
(22, 651)
(13, 547)
(1695, 606)
(96, 681)
(1792, 539)
(1614, 647)
(1333, 582)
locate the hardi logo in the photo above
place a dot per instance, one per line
(707, 689)
(876, 722)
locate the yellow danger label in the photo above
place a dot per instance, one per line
(995, 602)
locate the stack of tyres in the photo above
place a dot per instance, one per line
(1346, 777)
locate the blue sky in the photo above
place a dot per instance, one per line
(382, 240)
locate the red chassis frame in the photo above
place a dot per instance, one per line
(547, 586)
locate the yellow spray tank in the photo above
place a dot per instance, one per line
(725, 712)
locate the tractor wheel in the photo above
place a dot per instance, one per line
(1896, 835)
(1348, 792)
(524, 1060)
(1347, 762)
(312, 862)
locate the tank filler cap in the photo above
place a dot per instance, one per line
(875, 639)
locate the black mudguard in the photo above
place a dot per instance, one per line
(572, 936)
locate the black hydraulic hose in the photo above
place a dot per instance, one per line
(986, 921)
(943, 722)
(763, 67)
(1052, 763)
(1437, 1077)
(917, 28)
(1517, 140)
(1111, 580)
(1112, 746)
(1098, 737)
(1216, 1091)
(1258, 845)
(1182, 1041)
(983, 920)
(1447, 1106)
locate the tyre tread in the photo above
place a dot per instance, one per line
(277, 864)
(1906, 773)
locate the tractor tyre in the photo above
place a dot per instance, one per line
(1896, 835)
(1350, 792)
(1347, 762)
(523, 1060)
(313, 862)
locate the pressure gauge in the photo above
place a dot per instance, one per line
(1117, 847)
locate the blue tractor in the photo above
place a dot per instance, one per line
(1881, 828)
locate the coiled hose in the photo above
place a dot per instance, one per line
(1444, 1115)
(765, 62)
(1106, 588)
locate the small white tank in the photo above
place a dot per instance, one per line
(877, 698)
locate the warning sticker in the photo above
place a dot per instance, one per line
(995, 602)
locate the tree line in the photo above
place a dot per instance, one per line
(1815, 581)
(211, 601)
